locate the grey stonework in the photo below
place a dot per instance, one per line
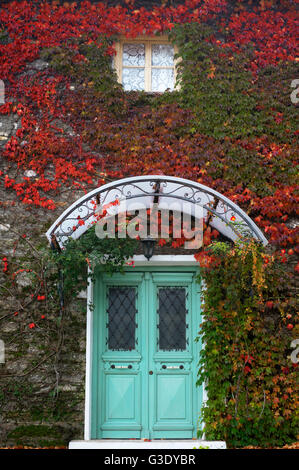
(38, 65)
(9, 124)
(39, 386)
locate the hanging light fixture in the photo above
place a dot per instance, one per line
(148, 245)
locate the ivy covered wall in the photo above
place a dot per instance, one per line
(68, 127)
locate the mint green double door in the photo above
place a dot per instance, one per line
(144, 354)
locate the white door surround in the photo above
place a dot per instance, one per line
(88, 443)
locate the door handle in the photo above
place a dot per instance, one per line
(150, 372)
(172, 367)
(121, 367)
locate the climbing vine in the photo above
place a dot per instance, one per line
(231, 126)
(249, 323)
(88, 251)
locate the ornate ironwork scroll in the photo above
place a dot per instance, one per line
(224, 215)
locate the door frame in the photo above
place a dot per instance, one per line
(140, 261)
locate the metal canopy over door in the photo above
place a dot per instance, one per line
(144, 354)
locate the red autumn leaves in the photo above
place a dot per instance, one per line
(5, 264)
(272, 33)
(60, 161)
(248, 362)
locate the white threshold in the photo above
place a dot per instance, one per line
(118, 444)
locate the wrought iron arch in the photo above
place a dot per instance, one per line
(217, 209)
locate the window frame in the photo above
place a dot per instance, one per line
(148, 41)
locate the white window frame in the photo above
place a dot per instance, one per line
(148, 41)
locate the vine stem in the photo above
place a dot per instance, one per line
(12, 295)
(237, 394)
(19, 235)
(263, 407)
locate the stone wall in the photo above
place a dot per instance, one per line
(42, 379)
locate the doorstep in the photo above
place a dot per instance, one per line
(117, 444)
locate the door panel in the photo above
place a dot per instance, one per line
(122, 412)
(120, 371)
(145, 356)
(171, 356)
(172, 391)
(121, 397)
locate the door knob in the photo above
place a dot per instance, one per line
(150, 372)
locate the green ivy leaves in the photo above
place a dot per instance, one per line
(89, 250)
(244, 365)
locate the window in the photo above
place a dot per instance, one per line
(121, 323)
(172, 315)
(146, 64)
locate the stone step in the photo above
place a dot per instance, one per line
(118, 444)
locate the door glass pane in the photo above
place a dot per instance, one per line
(121, 324)
(172, 319)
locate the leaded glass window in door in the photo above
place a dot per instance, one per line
(121, 318)
(172, 319)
